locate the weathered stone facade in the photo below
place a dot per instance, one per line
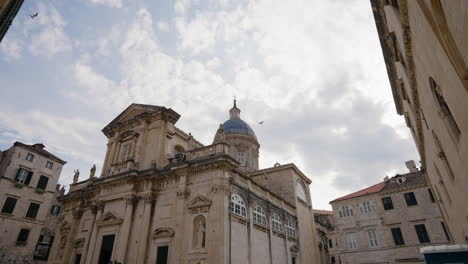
(165, 198)
(425, 46)
(388, 222)
(324, 224)
(29, 175)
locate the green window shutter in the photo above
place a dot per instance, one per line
(28, 178)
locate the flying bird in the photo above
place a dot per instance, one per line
(34, 16)
(261, 122)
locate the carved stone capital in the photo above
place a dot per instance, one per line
(130, 199)
(95, 207)
(183, 194)
(148, 198)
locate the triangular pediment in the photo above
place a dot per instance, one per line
(132, 111)
(199, 201)
(108, 219)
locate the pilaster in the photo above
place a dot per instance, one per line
(125, 229)
(145, 227)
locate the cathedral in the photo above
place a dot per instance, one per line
(165, 198)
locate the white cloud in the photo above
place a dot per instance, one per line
(12, 48)
(163, 26)
(51, 37)
(111, 3)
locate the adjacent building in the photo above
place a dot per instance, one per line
(388, 222)
(29, 208)
(324, 224)
(163, 198)
(8, 11)
(425, 46)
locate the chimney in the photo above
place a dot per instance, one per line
(39, 145)
(386, 178)
(411, 166)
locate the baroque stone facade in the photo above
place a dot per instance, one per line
(163, 198)
(388, 222)
(28, 197)
(425, 46)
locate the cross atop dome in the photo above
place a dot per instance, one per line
(235, 112)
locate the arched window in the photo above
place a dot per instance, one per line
(276, 223)
(291, 229)
(237, 205)
(259, 216)
(301, 193)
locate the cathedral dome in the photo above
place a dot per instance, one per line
(235, 125)
(238, 126)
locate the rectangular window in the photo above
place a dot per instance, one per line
(9, 205)
(431, 195)
(49, 165)
(126, 150)
(77, 259)
(445, 231)
(367, 207)
(372, 238)
(352, 243)
(42, 184)
(55, 210)
(22, 237)
(241, 157)
(397, 236)
(32, 210)
(23, 176)
(410, 199)
(387, 203)
(421, 231)
(346, 211)
(330, 243)
(162, 255)
(29, 157)
(107, 246)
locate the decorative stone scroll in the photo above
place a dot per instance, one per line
(78, 243)
(163, 232)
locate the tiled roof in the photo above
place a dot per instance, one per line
(39, 148)
(412, 180)
(369, 190)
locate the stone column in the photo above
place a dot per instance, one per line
(77, 213)
(145, 228)
(94, 209)
(121, 249)
(94, 232)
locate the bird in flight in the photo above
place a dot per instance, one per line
(34, 16)
(261, 122)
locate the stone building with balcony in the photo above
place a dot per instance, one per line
(163, 197)
(425, 47)
(388, 222)
(28, 200)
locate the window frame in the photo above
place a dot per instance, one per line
(29, 157)
(277, 223)
(373, 241)
(24, 232)
(290, 229)
(5, 204)
(237, 205)
(351, 240)
(386, 204)
(49, 164)
(346, 211)
(259, 216)
(397, 235)
(241, 157)
(422, 234)
(33, 210)
(39, 182)
(410, 199)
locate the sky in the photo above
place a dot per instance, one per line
(313, 71)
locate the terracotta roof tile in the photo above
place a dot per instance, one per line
(369, 190)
